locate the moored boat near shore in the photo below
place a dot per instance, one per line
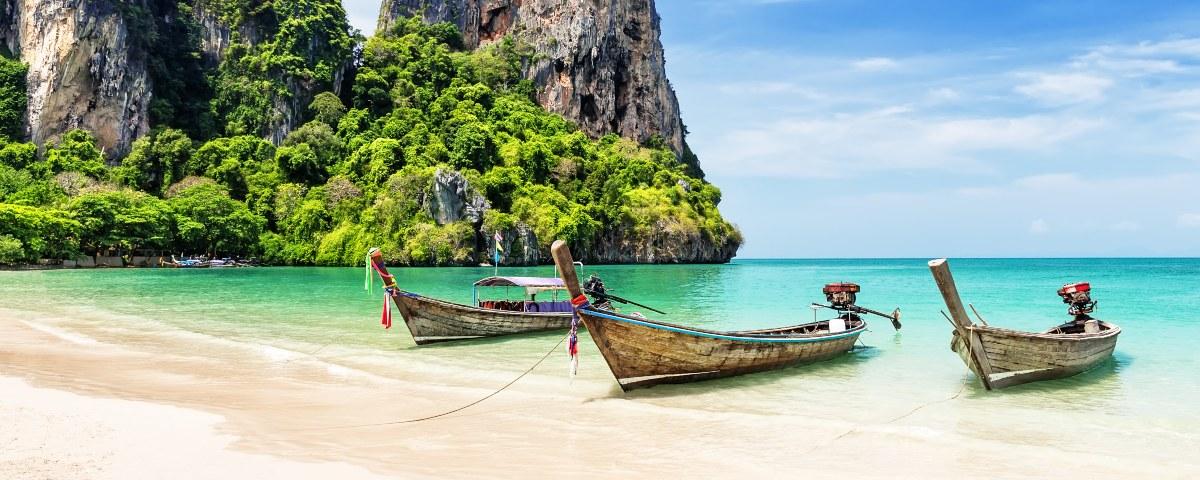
(642, 352)
(1003, 358)
(431, 320)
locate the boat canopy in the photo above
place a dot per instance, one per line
(548, 283)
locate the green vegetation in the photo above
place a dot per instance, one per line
(12, 98)
(360, 170)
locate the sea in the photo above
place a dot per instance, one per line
(1146, 397)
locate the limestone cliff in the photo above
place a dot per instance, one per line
(597, 62)
(83, 72)
(665, 245)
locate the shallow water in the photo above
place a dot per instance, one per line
(1145, 398)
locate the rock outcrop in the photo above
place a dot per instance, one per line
(597, 62)
(88, 66)
(520, 246)
(617, 245)
(84, 71)
(215, 35)
(453, 200)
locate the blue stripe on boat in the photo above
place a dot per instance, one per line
(826, 338)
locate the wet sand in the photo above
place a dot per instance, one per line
(148, 405)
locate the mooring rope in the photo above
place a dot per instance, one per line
(894, 420)
(459, 409)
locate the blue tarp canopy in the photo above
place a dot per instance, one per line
(527, 282)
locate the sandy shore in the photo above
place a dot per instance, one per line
(155, 406)
(55, 434)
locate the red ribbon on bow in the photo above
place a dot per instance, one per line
(387, 310)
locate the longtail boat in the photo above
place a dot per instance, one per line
(431, 320)
(641, 352)
(1003, 358)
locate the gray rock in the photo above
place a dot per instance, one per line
(452, 199)
(617, 244)
(520, 246)
(597, 62)
(83, 72)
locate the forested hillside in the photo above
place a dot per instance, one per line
(405, 141)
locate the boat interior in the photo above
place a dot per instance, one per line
(1076, 327)
(527, 306)
(849, 321)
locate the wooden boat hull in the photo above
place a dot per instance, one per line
(643, 353)
(431, 320)
(1012, 357)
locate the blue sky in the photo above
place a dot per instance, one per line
(920, 129)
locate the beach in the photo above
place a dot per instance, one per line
(92, 391)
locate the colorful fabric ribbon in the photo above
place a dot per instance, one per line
(367, 280)
(389, 288)
(386, 320)
(573, 336)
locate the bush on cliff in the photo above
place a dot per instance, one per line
(12, 98)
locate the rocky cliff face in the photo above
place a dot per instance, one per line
(83, 72)
(597, 62)
(616, 245)
(88, 66)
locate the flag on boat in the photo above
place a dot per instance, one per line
(496, 256)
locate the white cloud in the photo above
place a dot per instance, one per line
(895, 138)
(1125, 226)
(1049, 181)
(1129, 67)
(1010, 133)
(875, 64)
(1064, 88)
(770, 88)
(943, 94)
(1038, 227)
(1188, 220)
(1183, 47)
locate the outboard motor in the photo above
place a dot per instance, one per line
(1078, 297)
(594, 286)
(841, 295)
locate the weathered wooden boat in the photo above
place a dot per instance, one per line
(1003, 358)
(642, 352)
(431, 320)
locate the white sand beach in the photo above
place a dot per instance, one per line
(150, 406)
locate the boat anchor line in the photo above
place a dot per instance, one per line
(456, 410)
(894, 420)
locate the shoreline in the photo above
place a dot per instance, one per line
(267, 407)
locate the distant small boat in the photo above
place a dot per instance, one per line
(185, 263)
(430, 320)
(643, 353)
(1003, 358)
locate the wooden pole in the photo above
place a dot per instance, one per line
(566, 267)
(945, 283)
(970, 338)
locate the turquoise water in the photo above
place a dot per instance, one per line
(1152, 385)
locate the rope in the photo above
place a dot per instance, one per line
(894, 420)
(459, 409)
